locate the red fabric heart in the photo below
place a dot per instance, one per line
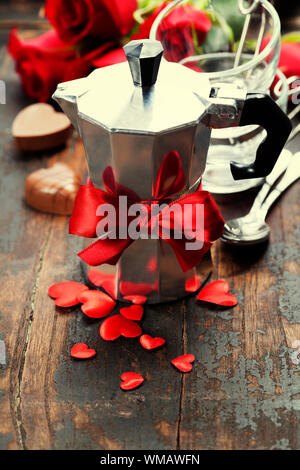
(66, 293)
(131, 380)
(151, 343)
(116, 326)
(82, 351)
(192, 285)
(107, 281)
(136, 299)
(217, 292)
(134, 312)
(183, 363)
(96, 304)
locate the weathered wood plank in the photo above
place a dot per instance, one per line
(79, 404)
(20, 249)
(57, 402)
(24, 236)
(244, 390)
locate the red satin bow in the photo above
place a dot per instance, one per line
(169, 181)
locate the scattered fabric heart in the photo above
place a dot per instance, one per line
(96, 304)
(116, 326)
(136, 299)
(107, 281)
(151, 343)
(82, 351)
(192, 284)
(131, 380)
(66, 293)
(217, 292)
(183, 363)
(134, 312)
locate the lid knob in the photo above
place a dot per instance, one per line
(144, 58)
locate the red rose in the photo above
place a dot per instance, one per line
(45, 61)
(115, 56)
(176, 30)
(76, 19)
(145, 28)
(289, 61)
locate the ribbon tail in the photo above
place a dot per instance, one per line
(104, 251)
(84, 219)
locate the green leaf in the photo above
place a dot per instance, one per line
(216, 40)
(220, 22)
(250, 46)
(201, 4)
(229, 10)
(145, 8)
(291, 37)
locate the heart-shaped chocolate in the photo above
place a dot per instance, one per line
(52, 189)
(106, 280)
(39, 127)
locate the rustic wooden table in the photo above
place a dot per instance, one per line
(244, 390)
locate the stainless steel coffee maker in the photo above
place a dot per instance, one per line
(131, 117)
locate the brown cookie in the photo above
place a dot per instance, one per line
(52, 190)
(39, 127)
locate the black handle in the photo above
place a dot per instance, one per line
(260, 109)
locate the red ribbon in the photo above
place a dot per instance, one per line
(169, 181)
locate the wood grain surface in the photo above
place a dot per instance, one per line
(244, 390)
